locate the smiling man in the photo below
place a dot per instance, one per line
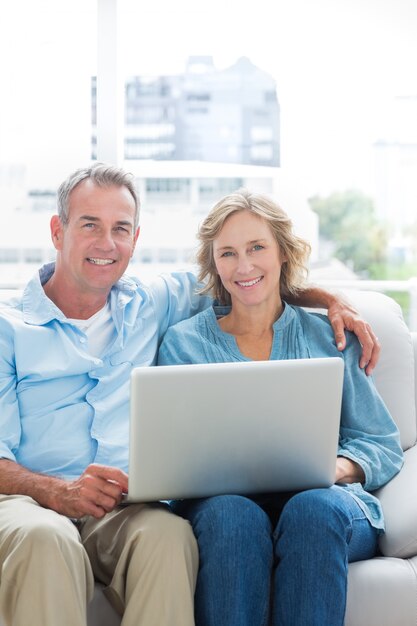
(67, 348)
(95, 239)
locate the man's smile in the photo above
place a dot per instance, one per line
(100, 261)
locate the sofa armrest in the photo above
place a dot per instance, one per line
(414, 339)
(399, 502)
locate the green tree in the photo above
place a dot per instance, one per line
(347, 219)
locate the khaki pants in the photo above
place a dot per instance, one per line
(145, 555)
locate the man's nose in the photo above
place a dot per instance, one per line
(106, 241)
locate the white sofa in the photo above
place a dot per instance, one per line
(382, 591)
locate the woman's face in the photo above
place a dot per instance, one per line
(248, 260)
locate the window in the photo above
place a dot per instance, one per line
(48, 53)
(261, 153)
(136, 149)
(198, 97)
(285, 93)
(261, 133)
(167, 185)
(9, 255)
(45, 107)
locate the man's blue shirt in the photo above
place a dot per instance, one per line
(61, 408)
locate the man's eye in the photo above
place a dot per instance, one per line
(122, 229)
(89, 225)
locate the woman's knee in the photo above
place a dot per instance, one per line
(228, 518)
(316, 510)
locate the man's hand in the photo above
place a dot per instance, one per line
(343, 315)
(96, 492)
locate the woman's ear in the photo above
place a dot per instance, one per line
(282, 256)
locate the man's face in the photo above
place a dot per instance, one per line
(95, 246)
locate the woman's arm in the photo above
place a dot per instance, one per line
(369, 437)
(342, 315)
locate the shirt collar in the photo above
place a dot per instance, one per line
(287, 316)
(38, 309)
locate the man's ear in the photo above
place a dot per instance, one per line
(135, 239)
(56, 231)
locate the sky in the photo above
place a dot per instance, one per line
(338, 66)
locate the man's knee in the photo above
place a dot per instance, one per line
(37, 537)
(46, 548)
(42, 558)
(160, 529)
(170, 528)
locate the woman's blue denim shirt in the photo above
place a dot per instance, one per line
(368, 434)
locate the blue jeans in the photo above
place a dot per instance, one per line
(280, 559)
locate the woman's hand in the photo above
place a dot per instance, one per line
(348, 471)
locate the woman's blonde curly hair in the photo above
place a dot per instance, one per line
(294, 250)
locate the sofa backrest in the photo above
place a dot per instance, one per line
(394, 375)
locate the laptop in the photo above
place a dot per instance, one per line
(241, 427)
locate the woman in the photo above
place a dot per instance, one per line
(279, 556)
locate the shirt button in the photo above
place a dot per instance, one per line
(83, 339)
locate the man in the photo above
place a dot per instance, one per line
(67, 347)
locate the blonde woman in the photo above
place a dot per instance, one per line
(279, 556)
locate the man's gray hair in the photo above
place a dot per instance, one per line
(102, 175)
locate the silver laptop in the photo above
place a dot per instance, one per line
(244, 428)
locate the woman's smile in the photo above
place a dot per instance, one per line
(249, 283)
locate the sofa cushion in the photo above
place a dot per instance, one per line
(382, 592)
(399, 502)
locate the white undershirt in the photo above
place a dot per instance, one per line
(99, 329)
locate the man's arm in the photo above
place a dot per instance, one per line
(342, 314)
(99, 488)
(96, 492)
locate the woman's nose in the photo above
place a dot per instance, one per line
(245, 265)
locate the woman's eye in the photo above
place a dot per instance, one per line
(258, 247)
(227, 253)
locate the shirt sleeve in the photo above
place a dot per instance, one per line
(176, 298)
(368, 433)
(175, 348)
(10, 427)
